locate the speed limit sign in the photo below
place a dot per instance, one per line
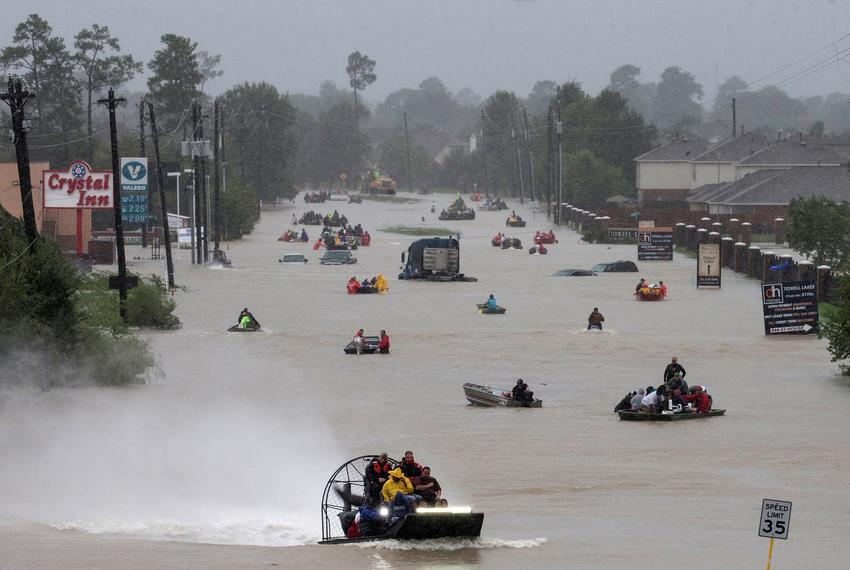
(775, 519)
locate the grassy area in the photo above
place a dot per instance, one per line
(392, 199)
(428, 232)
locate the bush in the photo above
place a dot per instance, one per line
(149, 305)
(835, 325)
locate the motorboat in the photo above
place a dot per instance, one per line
(488, 396)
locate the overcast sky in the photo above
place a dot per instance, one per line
(483, 44)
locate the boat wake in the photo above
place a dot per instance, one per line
(452, 544)
(248, 532)
(606, 332)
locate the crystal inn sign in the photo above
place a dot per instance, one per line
(79, 187)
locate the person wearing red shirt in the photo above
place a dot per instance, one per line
(700, 398)
(384, 343)
(663, 288)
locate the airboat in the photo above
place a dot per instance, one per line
(344, 493)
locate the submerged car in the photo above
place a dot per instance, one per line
(615, 267)
(337, 257)
(293, 258)
(574, 273)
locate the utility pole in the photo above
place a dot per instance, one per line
(487, 180)
(559, 132)
(514, 129)
(217, 167)
(163, 207)
(143, 154)
(205, 210)
(409, 162)
(16, 97)
(548, 165)
(196, 187)
(530, 154)
(734, 119)
(112, 103)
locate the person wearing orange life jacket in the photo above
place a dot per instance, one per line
(377, 474)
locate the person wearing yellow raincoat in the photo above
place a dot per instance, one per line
(397, 483)
(381, 284)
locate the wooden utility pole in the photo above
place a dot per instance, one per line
(163, 207)
(514, 136)
(409, 162)
(112, 103)
(196, 188)
(217, 167)
(548, 165)
(142, 154)
(16, 97)
(734, 119)
(205, 209)
(530, 155)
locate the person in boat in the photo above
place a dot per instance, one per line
(663, 288)
(641, 285)
(409, 467)
(677, 383)
(497, 239)
(294, 219)
(433, 207)
(367, 522)
(245, 318)
(398, 483)
(521, 394)
(427, 487)
(381, 284)
(377, 474)
(353, 286)
(359, 341)
(636, 399)
(649, 403)
(595, 320)
(384, 343)
(672, 369)
(625, 403)
(365, 283)
(701, 400)
(677, 401)
(304, 236)
(490, 304)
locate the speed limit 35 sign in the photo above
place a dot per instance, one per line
(775, 519)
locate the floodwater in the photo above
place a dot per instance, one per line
(221, 461)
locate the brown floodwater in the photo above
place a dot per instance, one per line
(221, 460)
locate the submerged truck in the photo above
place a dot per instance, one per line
(433, 259)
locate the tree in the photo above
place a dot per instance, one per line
(260, 140)
(675, 104)
(393, 160)
(835, 324)
(732, 87)
(207, 65)
(467, 97)
(497, 121)
(589, 180)
(540, 96)
(175, 80)
(97, 57)
(820, 229)
(361, 72)
(47, 67)
(639, 95)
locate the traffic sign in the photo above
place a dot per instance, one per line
(775, 519)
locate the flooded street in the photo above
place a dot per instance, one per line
(221, 461)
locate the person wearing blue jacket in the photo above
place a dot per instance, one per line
(491, 303)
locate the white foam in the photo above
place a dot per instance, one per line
(242, 532)
(453, 544)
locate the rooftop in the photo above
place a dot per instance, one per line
(794, 152)
(677, 149)
(777, 187)
(734, 149)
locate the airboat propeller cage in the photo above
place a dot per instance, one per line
(351, 478)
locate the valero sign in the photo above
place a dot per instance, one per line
(78, 187)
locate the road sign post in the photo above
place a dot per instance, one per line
(775, 522)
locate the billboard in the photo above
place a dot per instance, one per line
(655, 244)
(708, 265)
(78, 187)
(790, 307)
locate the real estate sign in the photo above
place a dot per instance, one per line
(790, 307)
(708, 265)
(655, 244)
(79, 187)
